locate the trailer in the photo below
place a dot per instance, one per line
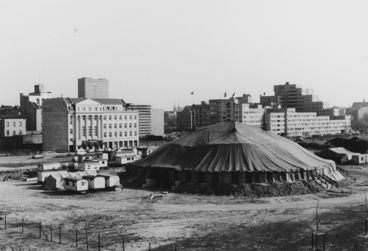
(111, 181)
(95, 182)
(75, 184)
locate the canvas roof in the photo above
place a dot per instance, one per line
(230, 147)
(341, 150)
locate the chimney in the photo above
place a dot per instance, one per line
(38, 89)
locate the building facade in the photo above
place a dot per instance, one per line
(157, 122)
(215, 111)
(292, 96)
(93, 88)
(31, 107)
(144, 114)
(10, 127)
(290, 123)
(252, 116)
(73, 123)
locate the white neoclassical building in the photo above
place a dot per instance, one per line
(72, 123)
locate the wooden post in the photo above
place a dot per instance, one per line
(86, 239)
(99, 242)
(316, 241)
(22, 225)
(60, 234)
(76, 237)
(51, 233)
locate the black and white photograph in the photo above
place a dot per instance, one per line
(172, 125)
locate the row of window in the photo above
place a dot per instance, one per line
(89, 132)
(14, 123)
(121, 125)
(14, 133)
(97, 108)
(120, 134)
(110, 117)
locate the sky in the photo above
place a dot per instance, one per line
(158, 51)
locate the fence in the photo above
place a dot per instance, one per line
(88, 236)
(84, 235)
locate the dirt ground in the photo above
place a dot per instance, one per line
(181, 221)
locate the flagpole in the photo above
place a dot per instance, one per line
(193, 111)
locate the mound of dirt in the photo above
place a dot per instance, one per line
(258, 190)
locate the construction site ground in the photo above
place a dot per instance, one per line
(182, 221)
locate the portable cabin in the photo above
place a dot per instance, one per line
(41, 175)
(358, 159)
(49, 166)
(111, 180)
(95, 182)
(54, 181)
(85, 157)
(145, 151)
(75, 184)
(102, 162)
(337, 154)
(101, 155)
(89, 165)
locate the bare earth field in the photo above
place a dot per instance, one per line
(181, 221)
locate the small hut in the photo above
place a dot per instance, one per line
(55, 181)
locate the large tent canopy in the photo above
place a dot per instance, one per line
(234, 147)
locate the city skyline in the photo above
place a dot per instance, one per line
(159, 52)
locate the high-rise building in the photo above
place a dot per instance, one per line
(292, 96)
(72, 123)
(144, 117)
(31, 107)
(157, 122)
(93, 88)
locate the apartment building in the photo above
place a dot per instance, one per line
(73, 123)
(211, 112)
(12, 126)
(252, 116)
(292, 124)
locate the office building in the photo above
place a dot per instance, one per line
(73, 123)
(144, 117)
(157, 122)
(93, 88)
